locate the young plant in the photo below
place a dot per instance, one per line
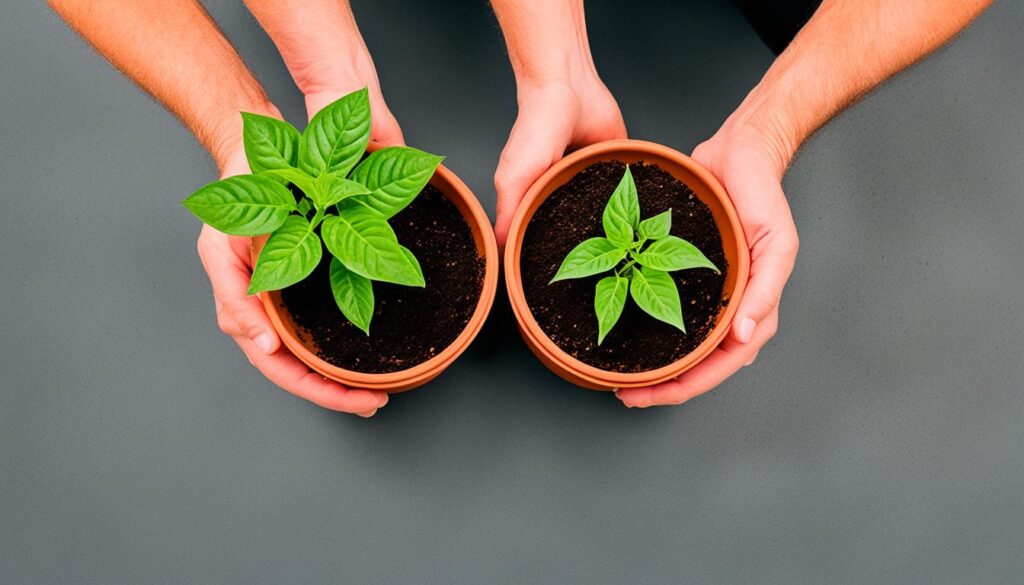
(348, 200)
(640, 255)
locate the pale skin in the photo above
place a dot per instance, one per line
(846, 49)
(174, 51)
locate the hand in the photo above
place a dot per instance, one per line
(384, 129)
(553, 117)
(226, 260)
(750, 167)
(324, 51)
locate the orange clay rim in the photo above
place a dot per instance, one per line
(628, 151)
(458, 193)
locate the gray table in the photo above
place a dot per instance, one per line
(878, 439)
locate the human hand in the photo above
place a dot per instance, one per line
(750, 166)
(554, 116)
(227, 263)
(384, 129)
(324, 51)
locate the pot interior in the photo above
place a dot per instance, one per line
(305, 347)
(701, 188)
(704, 186)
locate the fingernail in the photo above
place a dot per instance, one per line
(264, 342)
(367, 414)
(383, 401)
(746, 329)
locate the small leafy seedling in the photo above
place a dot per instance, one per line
(350, 201)
(640, 255)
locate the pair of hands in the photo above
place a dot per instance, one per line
(553, 117)
(556, 117)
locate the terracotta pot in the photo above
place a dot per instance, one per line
(683, 168)
(459, 194)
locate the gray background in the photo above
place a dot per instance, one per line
(878, 439)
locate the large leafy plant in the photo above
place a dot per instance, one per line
(640, 255)
(348, 200)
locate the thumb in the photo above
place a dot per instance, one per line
(773, 255)
(225, 259)
(531, 150)
(386, 130)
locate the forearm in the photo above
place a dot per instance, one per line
(546, 40)
(319, 41)
(174, 51)
(847, 48)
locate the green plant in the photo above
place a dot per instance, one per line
(641, 271)
(348, 200)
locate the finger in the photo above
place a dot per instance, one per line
(751, 360)
(729, 357)
(225, 321)
(386, 131)
(771, 234)
(772, 260)
(285, 370)
(702, 154)
(533, 146)
(225, 259)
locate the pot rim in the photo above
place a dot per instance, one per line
(524, 213)
(455, 190)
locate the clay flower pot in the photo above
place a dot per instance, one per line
(707, 189)
(483, 235)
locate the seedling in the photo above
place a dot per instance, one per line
(640, 255)
(348, 200)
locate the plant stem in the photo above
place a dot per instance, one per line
(619, 271)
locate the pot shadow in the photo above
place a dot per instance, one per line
(497, 404)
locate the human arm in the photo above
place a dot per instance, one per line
(563, 104)
(327, 57)
(174, 51)
(846, 49)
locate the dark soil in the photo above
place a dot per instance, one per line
(410, 325)
(565, 309)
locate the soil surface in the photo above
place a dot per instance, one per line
(565, 309)
(410, 325)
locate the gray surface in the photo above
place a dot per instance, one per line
(879, 439)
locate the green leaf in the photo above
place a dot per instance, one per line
(421, 282)
(672, 253)
(290, 255)
(304, 182)
(657, 227)
(622, 214)
(395, 175)
(362, 239)
(590, 257)
(354, 295)
(269, 143)
(609, 300)
(336, 137)
(246, 205)
(337, 189)
(305, 206)
(655, 292)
